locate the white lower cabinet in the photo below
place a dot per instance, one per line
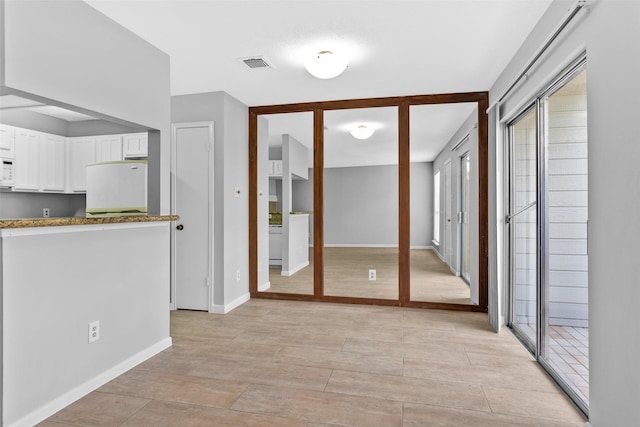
(81, 151)
(52, 163)
(27, 160)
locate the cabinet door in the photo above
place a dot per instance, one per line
(277, 170)
(52, 162)
(6, 142)
(82, 151)
(108, 148)
(27, 160)
(135, 145)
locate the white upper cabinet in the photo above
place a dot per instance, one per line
(6, 142)
(108, 148)
(275, 168)
(135, 145)
(52, 162)
(81, 151)
(27, 160)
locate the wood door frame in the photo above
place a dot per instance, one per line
(210, 128)
(402, 103)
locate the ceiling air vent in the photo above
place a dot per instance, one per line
(256, 62)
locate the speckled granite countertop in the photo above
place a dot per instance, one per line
(52, 222)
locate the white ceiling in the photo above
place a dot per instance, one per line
(395, 47)
(13, 102)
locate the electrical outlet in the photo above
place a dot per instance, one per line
(238, 275)
(45, 213)
(372, 275)
(94, 331)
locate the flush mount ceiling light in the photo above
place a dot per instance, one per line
(361, 132)
(326, 64)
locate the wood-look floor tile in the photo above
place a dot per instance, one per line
(193, 347)
(416, 415)
(263, 372)
(416, 390)
(293, 339)
(176, 388)
(171, 414)
(53, 424)
(545, 405)
(330, 365)
(340, 360)
(100, 409)
(171, 363)
(478, 340)
(320, 407)
(312, 424)
(499, 359)
(453, 353)
(530, 377)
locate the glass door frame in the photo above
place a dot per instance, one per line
(542, 252)
(533, 347)
(402, 103)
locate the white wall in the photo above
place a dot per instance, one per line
(606, 31)
(361, 205)
(55, 281)
(30, 205)
(470, 146)
(93, 65)
(231, 215)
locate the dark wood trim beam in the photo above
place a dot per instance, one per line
(445, 98)
(318, 203)
(404, 205)
(253, 204)
(483, 202)
(404, 237)
(327, 298)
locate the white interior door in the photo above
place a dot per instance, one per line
(192, 196)
(448, 248)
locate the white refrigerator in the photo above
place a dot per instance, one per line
(117, 188)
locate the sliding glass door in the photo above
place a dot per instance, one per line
(523, 220)
(548, 231)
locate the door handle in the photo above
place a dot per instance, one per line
(180, 227)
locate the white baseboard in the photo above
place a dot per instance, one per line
(358, 245)
(87, 387)
(224, 309)
(264, 287)
(439, 255)
(275, 262)
(294, 270)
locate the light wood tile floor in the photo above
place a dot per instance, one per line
(346, 274)
(285, 363)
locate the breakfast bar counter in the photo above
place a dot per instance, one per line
(54, 222)
(60, 276)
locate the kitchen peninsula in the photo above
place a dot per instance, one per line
(74, 272)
